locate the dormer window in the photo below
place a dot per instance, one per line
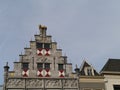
(89, 71)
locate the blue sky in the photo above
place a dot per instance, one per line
(84, 29)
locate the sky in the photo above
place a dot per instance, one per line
(84, 29)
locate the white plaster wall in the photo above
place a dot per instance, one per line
(111, 80)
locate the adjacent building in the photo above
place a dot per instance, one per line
(111, 73)
(90, 79)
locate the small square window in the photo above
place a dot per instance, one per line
(25, 66)
(47, 45)
(39, 45)
(60, 66)
(40, 65)
(47, 65)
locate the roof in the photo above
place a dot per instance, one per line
(112, 65)
(85, 64)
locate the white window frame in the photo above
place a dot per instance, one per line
(86, 71)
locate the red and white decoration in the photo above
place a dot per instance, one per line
(25, 72)
(44, 52)
(40, 73)
(61, 73)
(47, 73)
(43, 73)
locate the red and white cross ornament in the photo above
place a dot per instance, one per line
(47, 73)
(40, 73)
(61, 73)
(25, 72)
(44, 52)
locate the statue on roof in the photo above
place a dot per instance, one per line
(42, 27)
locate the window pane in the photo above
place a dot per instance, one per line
(40, 65)
(47, 65)
(39, 45)
(116, 87)
(60, 66)
(47, 45)
(25, 65)
(89, 71)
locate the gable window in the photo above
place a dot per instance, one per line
(89, 72)
(40, 65)
(47, 65)
(47, 45)
(43, 45)
(60, 66)
(39, 45)
(25, 65)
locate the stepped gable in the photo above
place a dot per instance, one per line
(111, 66)
(42, 59)
(87, 70)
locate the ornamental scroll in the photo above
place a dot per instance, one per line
(70, 83)
(15, 83)
(53, 83)
(34, 83)
(42, 83)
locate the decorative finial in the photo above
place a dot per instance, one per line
(77, 70)
(6, 63)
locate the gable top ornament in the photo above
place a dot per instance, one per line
(42, 27)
